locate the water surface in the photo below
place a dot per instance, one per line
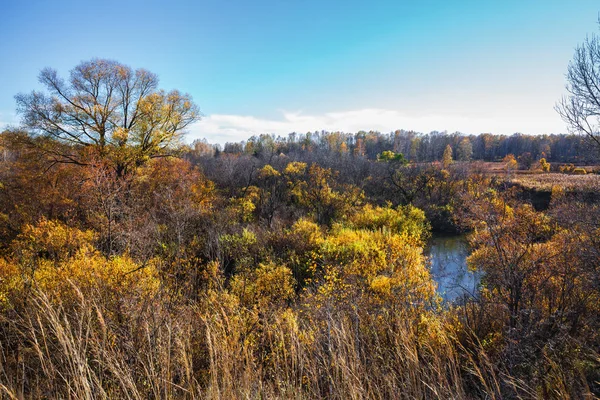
(448, 256)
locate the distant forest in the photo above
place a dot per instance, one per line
(418, 147)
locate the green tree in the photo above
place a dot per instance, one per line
(465, 150)
(390, 156)
(107, 110)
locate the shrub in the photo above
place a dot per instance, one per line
(403, 220)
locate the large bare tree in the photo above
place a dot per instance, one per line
(108, 110)
(580, 109)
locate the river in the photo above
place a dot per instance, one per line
(448, 256)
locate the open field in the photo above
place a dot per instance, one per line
(546, 182)
(499, 168)
(538, 180)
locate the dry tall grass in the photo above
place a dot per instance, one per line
(547, 182)
(216, 349)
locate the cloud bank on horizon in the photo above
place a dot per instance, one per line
(222, 128)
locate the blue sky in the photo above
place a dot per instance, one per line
(281, 66)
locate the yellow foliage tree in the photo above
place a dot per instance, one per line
(324, 197)
(447, 159)
(510, 163)
(110, 111)
(544, 165)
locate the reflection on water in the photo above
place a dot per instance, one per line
(448, 256)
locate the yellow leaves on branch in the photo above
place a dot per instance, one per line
(382, 285)
(94, 273)
(121, 135)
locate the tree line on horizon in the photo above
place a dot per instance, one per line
(416, 147)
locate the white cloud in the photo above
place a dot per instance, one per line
(221, 128)
(8, 119)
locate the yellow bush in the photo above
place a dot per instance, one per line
(266, 286)
(544, 165)
(244, 207)
(295, 168)
(60, 260)
(389, 264)
(405, 220)
(306, 232)
(242, 246)
(94, 273)
(382, 285)
(51, 240)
